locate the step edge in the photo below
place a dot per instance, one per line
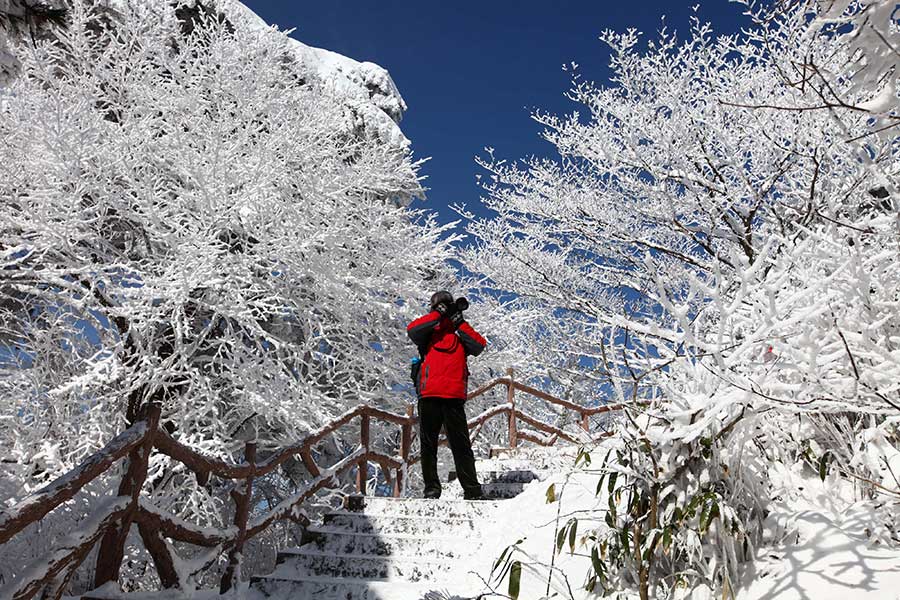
(362, 514)
(382, 557)
(389, 499)
(329, 531)
(344, 580)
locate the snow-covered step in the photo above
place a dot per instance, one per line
(313, 563)
(444, 508)
(303, 588)
(413, 525)
(338, 541)
(396, 548)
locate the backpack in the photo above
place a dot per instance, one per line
(415, 370)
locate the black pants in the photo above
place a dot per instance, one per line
(449, 412)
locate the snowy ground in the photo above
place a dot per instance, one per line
(824, 548)
(819, 551)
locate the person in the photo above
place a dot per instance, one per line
(445, 341)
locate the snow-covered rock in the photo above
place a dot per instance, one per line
(366, 88)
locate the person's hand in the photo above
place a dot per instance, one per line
(457, 319)
(442, 308)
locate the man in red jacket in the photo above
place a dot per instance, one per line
(445, 341)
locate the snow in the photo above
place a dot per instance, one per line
(819, 549)
(818, 291)
(829, 558)
(824, 546)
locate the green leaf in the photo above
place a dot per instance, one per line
(612, 506)
(560, 538)
(572, 533)
(606, 458)
(612, 482)
(710, 512)
(515, 579)
(704, 517)
(654, 539)
(551, 493)
(583, 456)
(823, 465)
(500, 560)
(595, 561)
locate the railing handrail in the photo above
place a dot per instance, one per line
(34, 506)
(154, 522)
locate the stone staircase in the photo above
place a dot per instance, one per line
(390, 548)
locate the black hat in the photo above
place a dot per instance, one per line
(442, 296)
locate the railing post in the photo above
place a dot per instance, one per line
(309, 463)
(511, 400)
(160, 554)
(362, 472)
(405, 444)
(242, 500)
(112, 546)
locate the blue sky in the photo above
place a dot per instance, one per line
(472, 72)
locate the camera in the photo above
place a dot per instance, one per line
(462, 304)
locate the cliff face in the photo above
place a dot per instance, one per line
(366, 88)
(25, 18)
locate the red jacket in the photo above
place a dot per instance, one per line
(444, 372)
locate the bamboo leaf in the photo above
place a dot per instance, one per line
(583, 456)
(595, 561)
(551, 493)
(704, 516)
(572, 532)
(500, 560)
(515, 580)
(823, 465)
(612, 506)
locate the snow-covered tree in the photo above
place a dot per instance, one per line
(719, 237)
(200, 212)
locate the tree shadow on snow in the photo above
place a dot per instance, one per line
(807, 569)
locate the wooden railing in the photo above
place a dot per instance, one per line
(111, 522)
